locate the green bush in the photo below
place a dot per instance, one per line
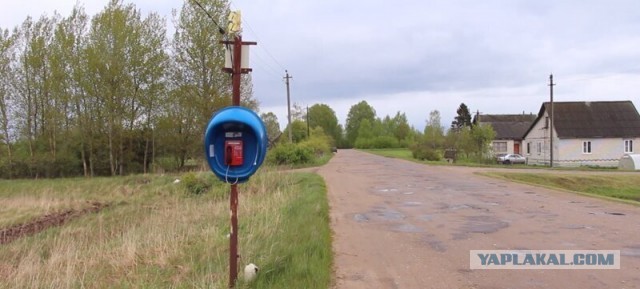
(196, 184)
(385, 142)
(379, 142)
(319, 147)
(363, 143)
(290, 154)
(424, 152)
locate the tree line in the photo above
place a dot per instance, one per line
(110, 94)
(463, 140)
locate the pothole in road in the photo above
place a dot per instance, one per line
(484, 224)
(433, 242)
(406, 228)
(388, 190)
(411, 204)
(631, 251)
(360, 218)
(388, 214)
(467, 206)
(379, 214)
(607, 213)
(576, 227)
(614, 213)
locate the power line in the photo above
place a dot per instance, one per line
(265, 65)
(210, 17)
(265, 48)
(262, 46)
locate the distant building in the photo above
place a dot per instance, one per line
(509, 128)
(584, 133)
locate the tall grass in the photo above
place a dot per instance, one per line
(623, 187)
(400, 153)
(157, 235)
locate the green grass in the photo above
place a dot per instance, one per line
(157, 235)
(321, 161)
(302, 250)
(24, 199)
(623, 187)
(404, 154)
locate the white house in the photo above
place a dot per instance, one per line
(584, 133)
(509, 129)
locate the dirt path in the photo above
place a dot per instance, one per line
(399, 224)
(42, 223)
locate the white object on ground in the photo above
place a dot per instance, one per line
(250, 272)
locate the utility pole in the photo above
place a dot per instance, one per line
(308, 131)
(236, 71)
(286, 78)
(551, 84)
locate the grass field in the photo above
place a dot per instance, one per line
(394, 153)
(403, 153)
(155, 234)
(617, 186)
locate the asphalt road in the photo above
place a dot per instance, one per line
(399, 224)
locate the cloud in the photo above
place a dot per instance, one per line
(415, 56)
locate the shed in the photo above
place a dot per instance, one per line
(630, 162)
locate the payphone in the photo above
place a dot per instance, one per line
(236, 143)
(233, 152)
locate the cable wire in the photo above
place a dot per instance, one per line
(262, 46)
(265, 66)
(210, 17)
(265, 48)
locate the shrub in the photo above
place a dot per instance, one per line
(319, 147)
(195, 184)
(379, 142)
(385, 142)
(424, 152)
(363, 143)
(290, 154)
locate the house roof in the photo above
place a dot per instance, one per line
(508, 126)
(597, 119)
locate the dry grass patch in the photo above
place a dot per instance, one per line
(157, 235)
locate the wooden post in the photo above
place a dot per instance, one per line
(236, 78)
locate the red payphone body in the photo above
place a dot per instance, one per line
(233, 155)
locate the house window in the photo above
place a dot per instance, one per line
(586, 147)
(528, 148)
(539, 148)
(546, 122)
(500, 146)
(628, 146)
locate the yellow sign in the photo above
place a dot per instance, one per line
(235, 20)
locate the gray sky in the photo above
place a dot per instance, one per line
(421, 55)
